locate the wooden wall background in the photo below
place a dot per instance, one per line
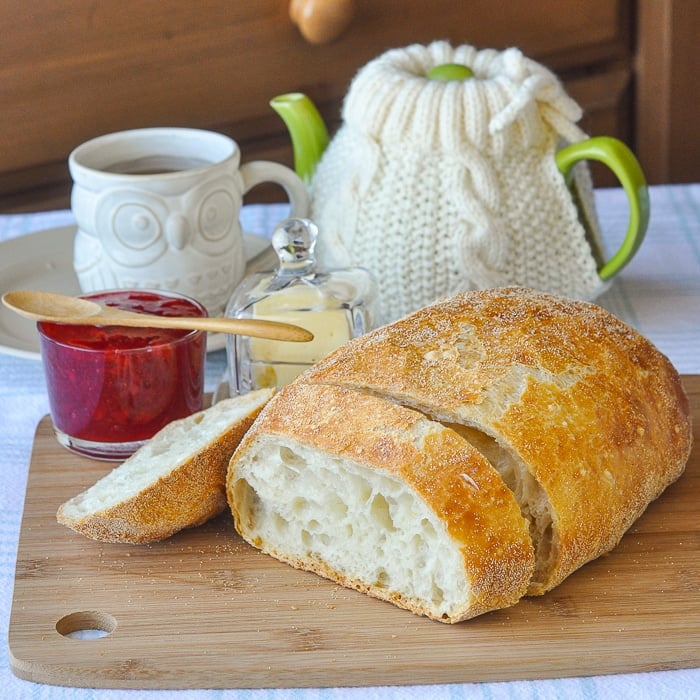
(76, 69)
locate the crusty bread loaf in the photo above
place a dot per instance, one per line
(583, 418)
(176, 480)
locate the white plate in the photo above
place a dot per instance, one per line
(44, 261)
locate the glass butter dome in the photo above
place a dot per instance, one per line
(335, 306)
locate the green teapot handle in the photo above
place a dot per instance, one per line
(622, 162)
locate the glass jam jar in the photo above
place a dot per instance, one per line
(111, 388)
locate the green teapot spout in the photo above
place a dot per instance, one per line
(306, 128)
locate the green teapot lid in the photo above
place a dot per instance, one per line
(450, 71)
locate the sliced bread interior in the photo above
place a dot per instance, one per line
(176, 480)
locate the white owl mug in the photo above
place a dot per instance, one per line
(158, 208)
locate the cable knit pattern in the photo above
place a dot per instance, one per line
(441, 186)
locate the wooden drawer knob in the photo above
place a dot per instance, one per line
(321, 21)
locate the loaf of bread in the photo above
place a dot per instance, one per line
(176, 480)
(480, 449)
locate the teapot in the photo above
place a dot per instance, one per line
(455, 169)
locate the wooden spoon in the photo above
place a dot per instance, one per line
(58, 308)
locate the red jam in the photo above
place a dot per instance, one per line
(110, 387)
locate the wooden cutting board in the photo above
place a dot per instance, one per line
(205, 610)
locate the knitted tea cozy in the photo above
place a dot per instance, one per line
(439, 187)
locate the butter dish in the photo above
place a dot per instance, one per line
(334, 305)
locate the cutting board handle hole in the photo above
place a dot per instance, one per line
(87, 624)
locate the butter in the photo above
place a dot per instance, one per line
(276, 363)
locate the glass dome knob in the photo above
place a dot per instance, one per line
(294, 241)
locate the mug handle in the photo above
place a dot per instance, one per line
(618, 157)
(259, 171)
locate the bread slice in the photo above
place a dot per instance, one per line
(176, 480)
(381, 499)
(584, 418)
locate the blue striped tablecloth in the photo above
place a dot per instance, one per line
(658, 293)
